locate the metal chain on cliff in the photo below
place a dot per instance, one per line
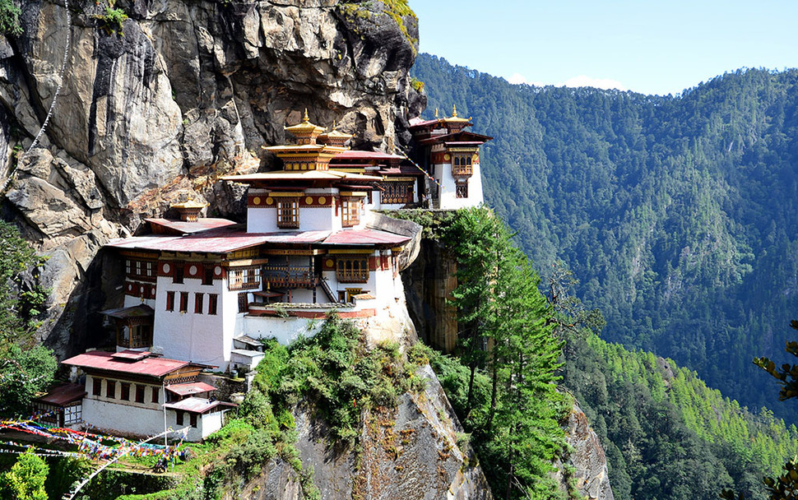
(55, 97)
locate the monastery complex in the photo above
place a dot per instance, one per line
(201, 293)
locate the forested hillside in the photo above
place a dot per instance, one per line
(677, 214)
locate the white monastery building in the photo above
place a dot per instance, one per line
(200, 292)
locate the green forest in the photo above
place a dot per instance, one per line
(676, 213)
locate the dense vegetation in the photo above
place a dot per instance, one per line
(25, 368)
(676, 213)
(505, 395)
(665, 433)
(9, 18)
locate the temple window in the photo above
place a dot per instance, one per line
(125, 392)
(179, 272)
(139, 393)
(207, 277)
(183, 302)
(198, 300)
(352, 270)
(155, 391)
(462, 165)
(461, 190)
(170, 301)
(243, 303)
(134, 333)
(244, 278)
(350, 211)
(288, 213)
(397, 192)
(213, 302)
(96, 386)
(139, 268)
(110, 389)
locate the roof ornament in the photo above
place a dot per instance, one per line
(306, 119)
(454, 111)
(436, 112)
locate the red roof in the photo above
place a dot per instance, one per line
(199, 226)
(190, 388)
(100, 360)
(365, 237)
(401, 171)
(197, 405)
(460, 137)
(216, 241)
(139, 311)
(365, 155)
(63, 395)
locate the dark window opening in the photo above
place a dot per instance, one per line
(183, 302)
(179, 272)
(96, 386)
(155, 393)
(207, 278)
(139, 393)
(198, 300)
(170, 301)
(110, 389)
(213, 301)
(243, 303)
(125, 394)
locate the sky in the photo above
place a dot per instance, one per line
(648, 46)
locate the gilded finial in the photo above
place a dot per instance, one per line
(334, 125)
(436, 112)
(306, 119)
(454, 111)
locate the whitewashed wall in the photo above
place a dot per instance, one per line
(448, 195)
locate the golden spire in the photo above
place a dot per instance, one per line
(306, 119)
(436, 112)
(454, 111)
(334, 125)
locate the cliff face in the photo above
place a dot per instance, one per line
(409, 452)
(152, 112)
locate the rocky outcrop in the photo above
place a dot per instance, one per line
(585, 468)
(411, 452)
(184, 92)
(429, 282)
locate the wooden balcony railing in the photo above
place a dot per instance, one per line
(352, 275)
(290, 276)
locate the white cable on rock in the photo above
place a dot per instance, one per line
(55, 97)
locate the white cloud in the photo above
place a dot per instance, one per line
(518, 78)
(599, 83)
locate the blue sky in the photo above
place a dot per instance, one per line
(653, 47)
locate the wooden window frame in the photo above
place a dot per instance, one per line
(213, 304)
(183, 302)
(179, 417)
(192, 420)
(352, 270)
(398, 192)
(461, 190)
(350, 211)
(179, 275)
(170, 301)
(199, 298)
(96, 387)
(244, 278)
(140, 394)
(243, 302)
(110, 389)
(207, 277)
(155, 396)
(288, 213)
(462, 165)
(124, 393)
